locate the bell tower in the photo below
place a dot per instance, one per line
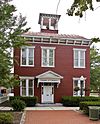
(48, 23)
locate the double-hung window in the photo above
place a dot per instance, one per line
(27, 87)
(27, 56)
(79, 58)
(77, 87)
(48, 56)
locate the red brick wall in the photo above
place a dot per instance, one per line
(63, 66)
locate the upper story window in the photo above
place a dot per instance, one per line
(79, 58)
(48, 55)
(27, 56)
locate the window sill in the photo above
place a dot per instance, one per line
(78, 67)
(27, 65)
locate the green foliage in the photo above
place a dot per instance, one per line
(79, 7)
(11, 28)
(29, 101)
(95, 68)
(18, 105)
(6, 118)
(85, 105)
(75, 101)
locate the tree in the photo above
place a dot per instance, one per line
(11, 28)
(95, 68)
(80, 6)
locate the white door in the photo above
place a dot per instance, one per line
(47, 94)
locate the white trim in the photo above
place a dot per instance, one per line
(27, 51)
(79, 57)
(79, 49)
(79, 85)
(48, 48)
(59, 76)
(26, 77)
(27, 85)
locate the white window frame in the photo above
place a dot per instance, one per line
(27, 51)
(48, 48)
(79, 58)
(79, 85)
(27, 85)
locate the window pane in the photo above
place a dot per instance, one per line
(24, 83)
(75, 83)
(50, 61)
(51, 53)
(30, 83)
(82, 62)
(30, 56)
(82, 54)
(23, 91)
(23, 56)
(30, 91)
(76, 62)
(45, 53)
(76, 54)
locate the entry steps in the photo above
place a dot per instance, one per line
(49, 105)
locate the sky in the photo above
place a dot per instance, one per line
(88, 26)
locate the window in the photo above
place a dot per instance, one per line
(79, 58)
(77, 87)
(27, 87)
(48, 56)
(27, 56)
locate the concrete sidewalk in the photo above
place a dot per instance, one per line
(52, 108)
(43, 108)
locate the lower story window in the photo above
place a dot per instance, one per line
(27, 87)
(78, 87)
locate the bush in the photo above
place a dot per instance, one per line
(6, 118)
(75, 101)
(18, 105)
(29, 101)
(84, 106)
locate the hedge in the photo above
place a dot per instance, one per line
(6, 118)
(29, 101)
(75, 100)
(84, 106)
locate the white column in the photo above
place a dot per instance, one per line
(49, 23)
(26, 87)
(41, 25)
(56, 25)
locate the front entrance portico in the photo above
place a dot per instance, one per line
(48, 80)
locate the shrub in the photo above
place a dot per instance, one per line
(6, 118)
(18, 105)
(84, 106)
(75, 100)
(29, 101)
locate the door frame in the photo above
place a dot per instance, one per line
(42, 86)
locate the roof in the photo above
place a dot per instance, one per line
(41, 34)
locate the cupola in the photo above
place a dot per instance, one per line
(49, 23)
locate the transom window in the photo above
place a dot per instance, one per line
(27, 87)
(48, 56)
(77, 87)
(79, 58)
(27, 56)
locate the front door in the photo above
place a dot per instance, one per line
(47, 94)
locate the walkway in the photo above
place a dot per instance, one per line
(56, 116)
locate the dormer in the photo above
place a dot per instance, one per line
(48, 23)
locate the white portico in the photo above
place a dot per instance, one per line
(48, 80)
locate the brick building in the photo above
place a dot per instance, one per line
(53, 65)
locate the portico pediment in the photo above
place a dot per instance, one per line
(49, 75)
